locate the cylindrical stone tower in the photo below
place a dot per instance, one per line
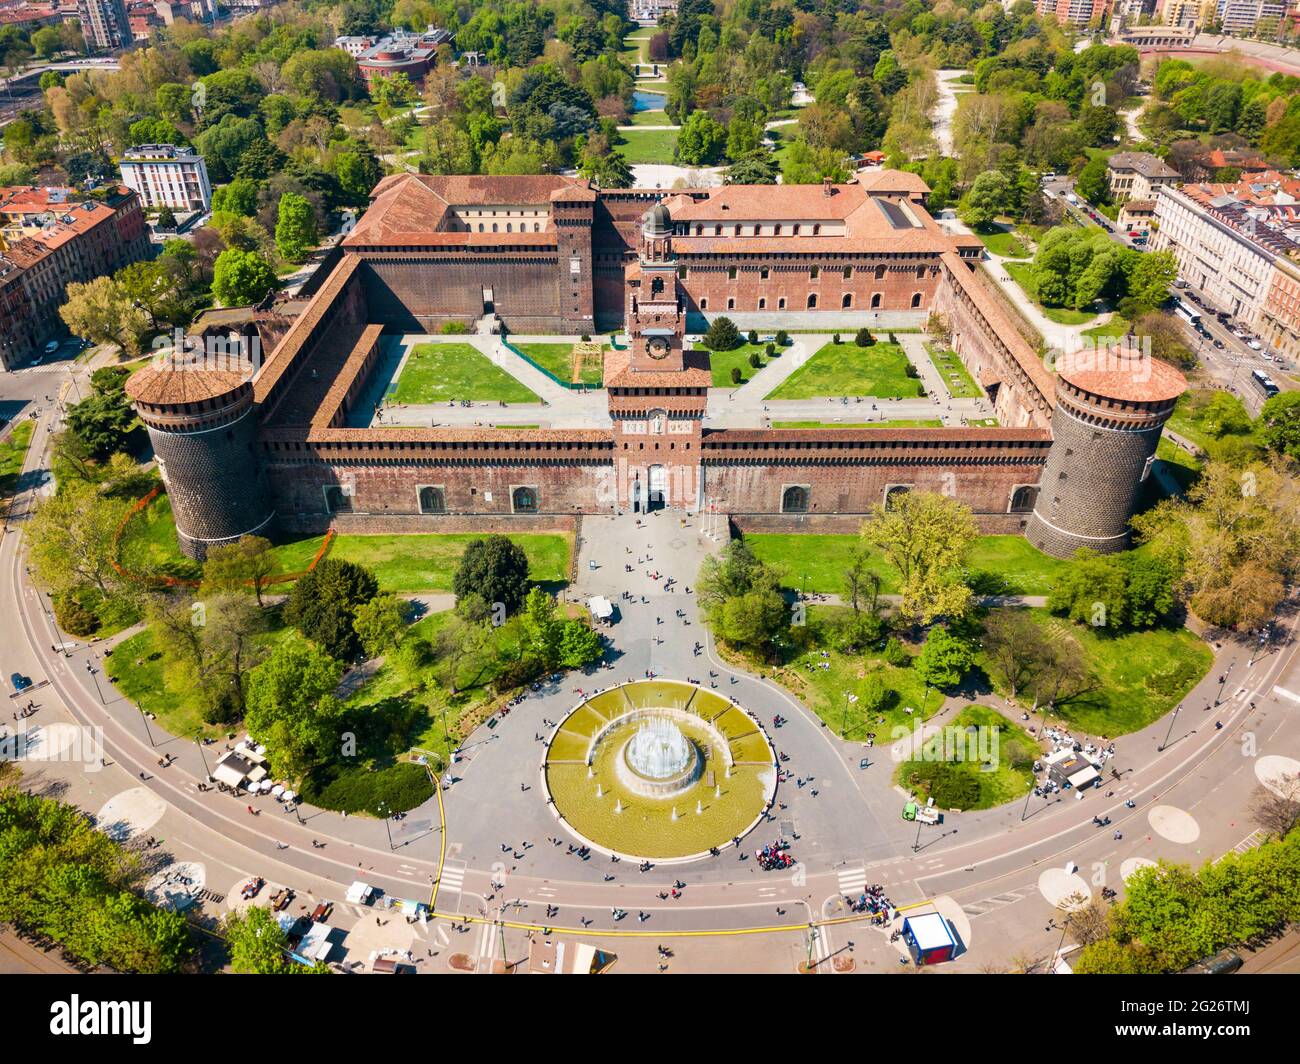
(1110, 407)
(203, 428)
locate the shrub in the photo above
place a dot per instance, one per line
(735, 375)
(912, 372)
(454, 328)
(586, 338)
(892, 338)
(782, 338)
(835, 339)
(73, 617)
(755, 361)
(770, 350)
(863, 338)
(722, 335)
(753, 336)
(358, 789)
(896, 654)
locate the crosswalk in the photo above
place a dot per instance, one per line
(453, 877)
(853, 880)
(979, 908)
(1250, 842)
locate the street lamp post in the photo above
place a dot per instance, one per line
(1172, 717)
(1041, 725)
(198, 741)
(94, 675)
(383, 811)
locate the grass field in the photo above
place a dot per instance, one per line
(425, 561)
(648, 145)
(1015, 748)
(956, 377)
(1194, 419)
(438, 373)
(722, 363)
(896, 423)
(847, 369)
(13, 452)
(1137, 676)
(817, 563)
(1185, 468)
(558, 359)
(1117, 326)
(1020, 273)
(1002, 242)
(650, 119)
(149, 544)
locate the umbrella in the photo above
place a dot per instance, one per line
(290, 796)
(277, 790)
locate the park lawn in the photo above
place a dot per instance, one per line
(1015, 748)
(422, 561)
(896, 423)
(438, 373)
(823, 677)
(847, 369)
(1117, 326)
(647, 145)
(722, 363)
(982, 423)
(558, 360)
(998, 564)
(650, 119)
(149, 543)
(1189, 419)
(1020, 273)
(13, 452)
(1184, 467)
(1002, 242)
(1139, 676)
(956, 377)
(137, 667)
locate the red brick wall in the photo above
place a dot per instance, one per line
(789, 277)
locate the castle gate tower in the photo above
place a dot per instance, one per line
(203, 429)
(657, 390)
(1111, 404)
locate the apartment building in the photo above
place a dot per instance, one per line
(167, 176)
(104, 24)
(1136, 175)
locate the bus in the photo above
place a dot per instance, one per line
(1186, 313)
(1264, 383)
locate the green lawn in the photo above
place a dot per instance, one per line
(956, 377)
(1206, 425)
(963, 751)
(1185, 468)
(896, 423)
(847, 369)
(648, 145)
(1138, 677)
(1117, 326)
(1000, 564)
(722, 363)
(13, 452)
(1020, 273)
(149, 543)
(438, 373)
(650, 119)
(558, 359)
(425, 561)
(1002, 242)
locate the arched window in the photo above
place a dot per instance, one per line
(494, 227)
(920, 273)
(891, 494)
(875, 300)
(848, 272)
(704, 303)
(763, 273)
(480, 227)
(1023, 499)
(812, 300)
(780, 303)
(509, 227)
(524, 500)
(432, 501)
(916, 300)
(880, 273)
(847, 300)
(794, 500)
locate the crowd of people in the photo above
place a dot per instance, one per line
(775, 856)
(874, 901)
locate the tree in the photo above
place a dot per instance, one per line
(295, 230)
(1091, 590)
(103, 421)
(1094, 183)
(580, 644)
(989, 196)
(239, 197)
(291, 708)
(1014, 645)
(944, 659)
(1149, 279)
(701, 140)
(1276, 808)
(755, 168)
(1279, 424)
(324, 601)
(542, 629)
(101, 311)
(925, 536)
(245, 564)
(860, 581)
(166, 218)
(495, 568)
(71, 538)
(380, 624)
(741, 597)
(240, 278)
(258, 945)
(722, 335)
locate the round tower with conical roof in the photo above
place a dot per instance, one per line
(203, 426)
(1111, 404)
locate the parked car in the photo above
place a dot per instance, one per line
(51, 347)
(1254, 345)
(1218, 343)
(20, 682)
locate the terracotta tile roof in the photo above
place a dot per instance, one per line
(892, 181)
(749, 203)
(172, 382)
(1122, 373)
(619, 374)
(454, 436)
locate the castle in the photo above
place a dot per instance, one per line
(245, 448)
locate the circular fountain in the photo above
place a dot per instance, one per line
(653, 749)
(658, 761)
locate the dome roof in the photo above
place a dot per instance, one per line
(657, 221)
